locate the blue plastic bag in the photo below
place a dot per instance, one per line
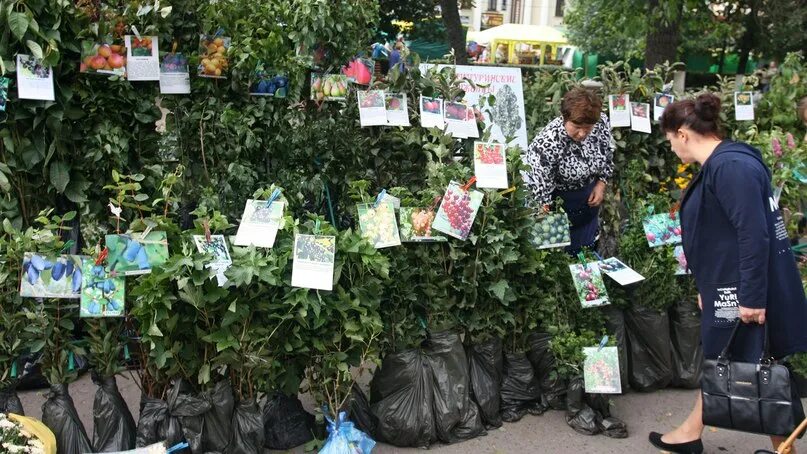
(345, 438)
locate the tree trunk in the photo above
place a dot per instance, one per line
(749, 39)
(662, 38)
(456, 37)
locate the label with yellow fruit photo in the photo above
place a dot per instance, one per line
(328, 87)
(213, 60)
(106, 59)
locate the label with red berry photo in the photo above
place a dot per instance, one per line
(661, 229)
(589, 285)
(416, 225)
(457, 211)
(490, 165)
(601, 370)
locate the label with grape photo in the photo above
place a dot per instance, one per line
(490, 165)
(175, 78)
(551, 230)
(457, 211)
(34, 80)
(313, 264)
(260, 223)
(589, 285)
(416, 225)
(601, 370)
(378, 224)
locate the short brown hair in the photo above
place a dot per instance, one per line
(803, 110)
(701, 115)
(581, 106)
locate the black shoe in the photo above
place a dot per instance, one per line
(690, 447)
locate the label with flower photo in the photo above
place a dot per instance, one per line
(457, 211)
(490, 165)
(618, 110)
(743, 105)
(589, 285)
(416, 225)
(378, 224)
(601, 370)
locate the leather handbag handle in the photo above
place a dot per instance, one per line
(764, 356)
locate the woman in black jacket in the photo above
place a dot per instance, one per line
(737, 248)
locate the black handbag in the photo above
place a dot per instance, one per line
(750, 397)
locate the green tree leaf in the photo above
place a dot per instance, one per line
(36, 50)
(59, 175)
(18, 24)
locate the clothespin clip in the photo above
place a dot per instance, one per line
(379, 198)
(174, 47)
(137, 33)
(147, 231)
(467, 185)
(177, 447)
(582, 258)
(126, 352)
(507, 191)
(102, 256)
(316, 227)
(435, 202)
(674, 210)
(67, 246)
(218, 33)
(596, 254)
(206, 226)
(71, 363)
(275, 195)
(14, 369)
(603, 342)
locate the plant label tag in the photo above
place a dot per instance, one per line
(743, 105)
(618, 271)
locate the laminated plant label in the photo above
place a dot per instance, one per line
(372, 108)
(34, 80)
(490, 165)
(328, 87)
(378, 224)
(743, 105)
(103, 59)
(551, 230)
(601, 370)
(51, 276)
(260, 223)
(640, 117)
(459, 120)
(4, 81)
(313, 265)
(431, 113)
(589, 285)
(213, 60)
(131, 254)
(397, 109)
(416, 225)
(142, 58)
(681, 267)
(267, 82)
(175, 78)
(618, 271)
(103, 293)
(457, 211)
(661, 229)
(618, 110)
(217, 247)
(660, 102)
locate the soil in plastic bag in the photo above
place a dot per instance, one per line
(608, 425)
(401, 397)
(553, 386)
(520, 393)
(456, 416)
(685, 333)
(286, 423)
(10, 402)
(217, 430)
(247, 429)
(59, 414)
(114, 427)
(579, 415)
(615, 325)
(486, 366)
(650, 356)
(191, 412)
(179, 419)
(360, 413)
(155, 425)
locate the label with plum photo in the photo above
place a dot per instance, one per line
(175, 76)
(589, 285)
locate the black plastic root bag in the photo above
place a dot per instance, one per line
(650, 348)
(286, 423)
(608, 425)
(456, 416)
(685, 333)
(114, 427)
(579, 415)
(401, 397)
(247, 429)
(360, 413)
(155, 425)
(553, 386)
(179, 419)
(217, 430)
(520, 393)
(485, 364)
(190, 410)
(59, 414)
(10, 402)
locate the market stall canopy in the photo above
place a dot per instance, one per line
(537, 36)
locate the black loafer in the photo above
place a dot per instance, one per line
(690, 447)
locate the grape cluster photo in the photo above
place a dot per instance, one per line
(457, 211)
(551, 231)
(378, 224)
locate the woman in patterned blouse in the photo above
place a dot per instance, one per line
(572, 159)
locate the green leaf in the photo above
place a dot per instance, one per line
(18, 24)
(499, 289)
(59, 175)
(36, 50)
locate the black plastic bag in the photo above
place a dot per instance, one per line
(456, 416)
(520, 393)
(114, 427)
(579, 415)
(553, 386)
(247, 429)
(485, 363)
(615, 325)
(190, 410)
(401, 396)
(650, 348)
(685, 333)
(217, 430)
(59, 414)
(286, 423)
(360, 413)
(179, 419)
(10, 402)
(155, 424)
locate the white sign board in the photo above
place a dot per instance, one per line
(507, 116)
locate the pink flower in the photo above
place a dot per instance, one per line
(777, 147)
(791, 143)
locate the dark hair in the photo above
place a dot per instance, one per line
(701, 115)
(581, 106)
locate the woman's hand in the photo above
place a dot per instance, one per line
(748, 315)
(700, 302)
(597, 194)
